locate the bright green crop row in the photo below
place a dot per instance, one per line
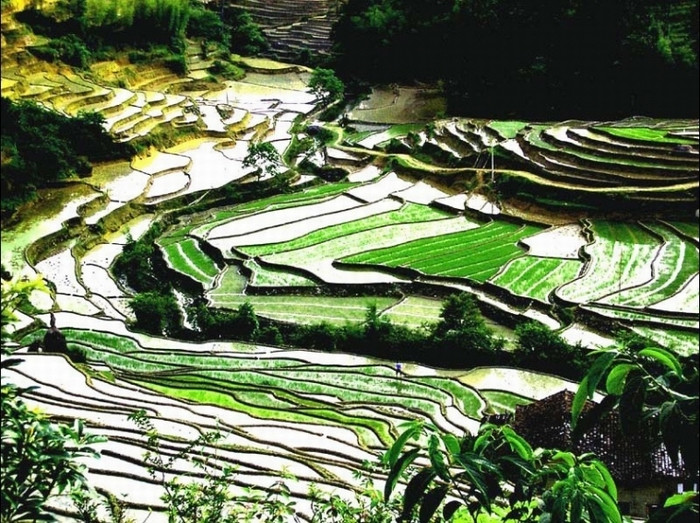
(645, 134)
(369, 431)
(306, 309)
(502, 401)
(476, 253)
(231, 282)
(187, 258)
(267, 277)
(676, 264)
(414, 311)
(621, 257)
(201, 260)
(409, 213)
(278, 201)
(536, 277)
(507, 128)
(690, 229)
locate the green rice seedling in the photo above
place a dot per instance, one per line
(689, 229)
(502, 401)
(231, 282)
(645, 134)
(272, 277)
(370, 432)
(308, 309)
(411, 251)
(186, 258)
(507, 128)
(409, 213)
(340, 248)
(121, 363)
(414, 311)
(620, 257)
(348, 388)
(467, 254)
(536, 277)
(279, 201)
(103, 340)
(676, 263)
(465, 398)
(202, 261)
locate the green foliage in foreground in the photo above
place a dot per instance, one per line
(649, 386)
(496, 465)
(39, 457)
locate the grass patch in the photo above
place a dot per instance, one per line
(646, 134)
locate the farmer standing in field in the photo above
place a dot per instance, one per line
(398, 368)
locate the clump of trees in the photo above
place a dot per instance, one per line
(538, 60)
(81, 31)
(40, 146)
(460, 339)
(264, 158)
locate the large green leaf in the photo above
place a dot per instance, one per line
(437, 459)
(565, 457)
(678, 499)
(593, 476)
(610, 485)
(632, 402)
(579, 401)
(616, 378)
(431, 502)
(598, 370)
(451, 443)
(450, 508)
(396, 471)
(392, 454)
(605, 503)
(518, 443)
(415, 491)
(664, 357)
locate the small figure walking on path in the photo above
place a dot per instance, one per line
(398, 368)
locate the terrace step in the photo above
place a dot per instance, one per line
(556, 162)
(559, 138)
(605, 142)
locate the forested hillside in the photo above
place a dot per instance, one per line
(541, 60)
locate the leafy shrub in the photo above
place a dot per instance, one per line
(156, 313)
(176, 63)
(227, 70)
(207, 24)
(246, 36)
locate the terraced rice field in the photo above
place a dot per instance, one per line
(477, 254)
(535, 277)
(306, 309)
(320, 415)
(187, 258)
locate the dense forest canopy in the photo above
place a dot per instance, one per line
(40, 146)
(546, 59)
